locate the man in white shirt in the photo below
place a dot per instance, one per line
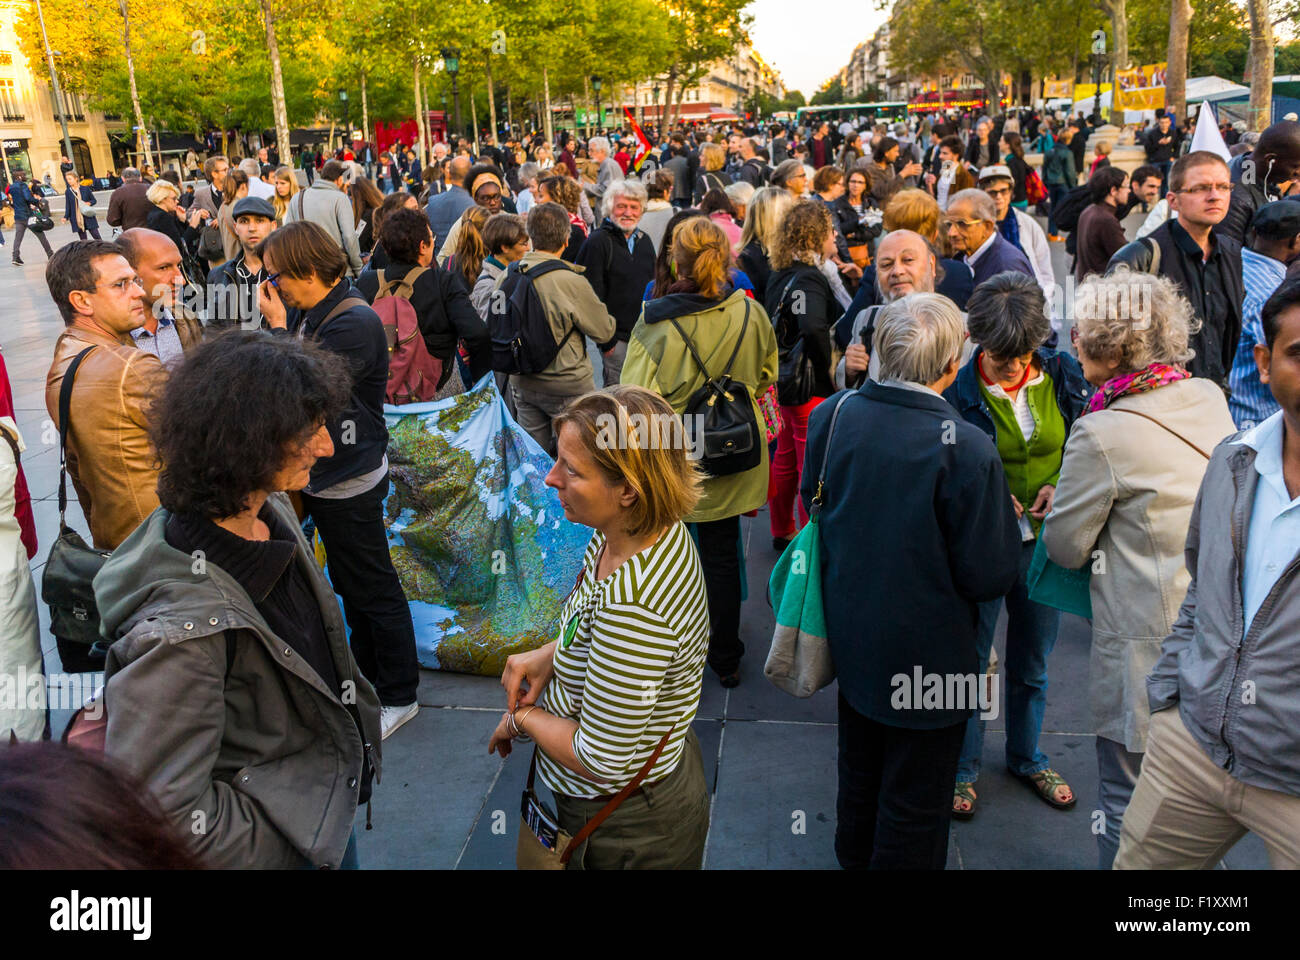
(257, 187)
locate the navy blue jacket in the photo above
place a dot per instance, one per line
(24, 201)
(70, 204)
(917, 528)
(357, 335)
(1072, 390)
(999, 258)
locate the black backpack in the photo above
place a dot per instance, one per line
(522, 341)
(719, 417)
(795, 379)
(1071, 206)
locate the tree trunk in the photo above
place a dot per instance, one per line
(510, 114)
(547, 119)
(365, 113)
(1180, 21)
(668, 99)
(1261, 65)
(473, 118)
(420, 132)
(492, 100)
(278, 108)
(141, 134)
(1119, 58)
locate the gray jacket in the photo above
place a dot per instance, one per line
(1236, 695)
(328, 207)
(257, 750)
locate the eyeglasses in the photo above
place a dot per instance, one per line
(273, 279)
(1205, 188)
(998, 191)
(949, 222)
(121, 286)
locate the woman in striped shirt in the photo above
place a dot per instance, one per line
(627, 666)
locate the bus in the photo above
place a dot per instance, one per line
(883, 110)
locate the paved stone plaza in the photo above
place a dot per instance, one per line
(770, 759)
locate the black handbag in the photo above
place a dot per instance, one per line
(719, 417)
(66, 582)
(795, 380)
(40, 221)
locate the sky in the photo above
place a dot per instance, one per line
(809, 40)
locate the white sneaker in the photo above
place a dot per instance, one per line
(390, 718)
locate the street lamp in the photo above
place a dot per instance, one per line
(54, 83)
(1098, 62)
(451, 59)
(595, 85)
(347, 130)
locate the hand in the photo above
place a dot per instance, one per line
(1042, 504)
(911, 170)
(856, 359)
(930, 179)
(500, 742)
(271, 306)
(851, 269)
(1020, 511)
(534, 668)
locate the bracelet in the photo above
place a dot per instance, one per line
(519, 724)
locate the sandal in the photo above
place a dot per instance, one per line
(963, 791)
(1045, 783)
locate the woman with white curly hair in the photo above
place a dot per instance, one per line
(1129, 478)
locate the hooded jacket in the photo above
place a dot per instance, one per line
(260, 746)
(659, 360)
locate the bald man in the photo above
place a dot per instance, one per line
(169, 327)
(445, 209)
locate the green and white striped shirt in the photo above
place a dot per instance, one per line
(634, 666)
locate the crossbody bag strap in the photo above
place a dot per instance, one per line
(302, 204)
(616, 801)
(1163, 427)
(347, 303)
(13, 444)
(744, 325)
(65, 406)
(818, 498)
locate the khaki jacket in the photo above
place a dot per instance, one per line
(110, 460)
(1127, 489)
(569, 302)
(659, 360)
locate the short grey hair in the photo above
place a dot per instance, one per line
(981, 203)
(1134, 319)
(632, 189)
(529, 171)
(917, 337)
(598, 143)
(548, 227)
(739, 192)
(130, 173)
(251, 167)
(1006, 315)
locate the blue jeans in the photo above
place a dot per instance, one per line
(1055, 193)
(1164, 166)
(1031, 635)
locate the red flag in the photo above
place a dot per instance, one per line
(643, 148)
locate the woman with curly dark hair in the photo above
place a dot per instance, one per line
(231, 689)
(557, 188)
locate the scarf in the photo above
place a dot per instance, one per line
(1148, 378)
(577, 221)
(1010, 229)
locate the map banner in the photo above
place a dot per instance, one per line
(480, 543)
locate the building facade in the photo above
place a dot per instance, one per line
(727, 86)
(30, 133)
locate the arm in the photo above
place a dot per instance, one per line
(639, 368)
(1162, 682)
(589, 314)
(980, 526)
(469, 326)
(115, 209)
(815, 324)
(173, 752)
(1085, 493)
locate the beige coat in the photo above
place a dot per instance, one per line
(1127, 488)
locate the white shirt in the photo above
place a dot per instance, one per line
(257, 187)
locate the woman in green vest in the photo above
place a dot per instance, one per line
(1025, 397)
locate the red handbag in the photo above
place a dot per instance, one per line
(1035, 190)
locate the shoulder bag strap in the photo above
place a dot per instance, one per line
(302, 204)
(13, 445)
(739, 340)
(1163, 427)
(347, 303)
(818, 498)
(617, 799)
(65, 406)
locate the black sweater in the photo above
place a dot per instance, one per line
(617, 274)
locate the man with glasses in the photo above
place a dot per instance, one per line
(971, 222)
(1018, 227)
(1206, 266)
(110, 460)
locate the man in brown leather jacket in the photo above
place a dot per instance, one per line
(109, 457)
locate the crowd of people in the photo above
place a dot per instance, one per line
(879, 300)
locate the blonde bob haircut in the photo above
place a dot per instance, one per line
(1134, 319)
(634, 437)
(160, 190)
(713, 156)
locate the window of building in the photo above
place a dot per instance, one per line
(6, 58)
(10, 107)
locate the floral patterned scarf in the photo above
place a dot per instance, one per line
(1139, 381)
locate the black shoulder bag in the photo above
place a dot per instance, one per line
(795, 379)
(719, 417)
(72, 565)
